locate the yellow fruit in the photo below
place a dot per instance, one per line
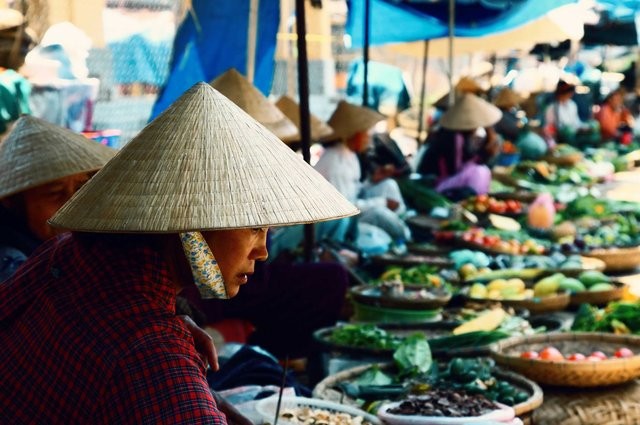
(494, 295)
(516, 283)
(497, 285)
(487, 321)
(478, 290)
(467, 270)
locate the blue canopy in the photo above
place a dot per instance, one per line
(397, 22)
(213, 38)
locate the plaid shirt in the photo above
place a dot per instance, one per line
(88, 334)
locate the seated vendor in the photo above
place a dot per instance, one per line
(41, 167)
(102, 297)
(512, 121)
(562, 122)
(457, 153)
(616, 121)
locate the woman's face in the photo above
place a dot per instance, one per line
(359, 142)
(237, 252)
(42, 202)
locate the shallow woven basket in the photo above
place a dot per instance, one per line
(599, 298)
(328, 389)
(538, 305)
(571, 373)
(617, 259)
(610, 406)
(388, 259)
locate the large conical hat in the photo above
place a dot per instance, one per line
(36, 152)
(203, 164)
(507, 98)
(349, 119)
(240, 91)
(470, 112)
(289, 107)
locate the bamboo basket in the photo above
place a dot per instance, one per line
(617, 259)
(538, 305)
(598, 298)
(328, 388)
(571, 373)
(610, 406)
(412, 260)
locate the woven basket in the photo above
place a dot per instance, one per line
(617, 259)
(371, 295)
(611, 406)
(518, 195)
(599, 298)
(328, 388)
(538, 305)
(571, 373)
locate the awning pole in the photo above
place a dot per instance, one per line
(252, 33)
(305, 126)
(423, 91)
(367, 31)
(452, 25)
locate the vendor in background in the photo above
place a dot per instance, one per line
(41, 167)
(458, 152)
(561, 119)
(513, 117)
(102, 297)
(616, 121)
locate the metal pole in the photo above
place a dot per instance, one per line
(423, 90)
(452, 26)
(367, 30)
(252, 33)
(305, 126)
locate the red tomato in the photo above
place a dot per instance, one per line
(599, 354)
(530, 355)
(551, 353)
(576, 357)
(623, 353)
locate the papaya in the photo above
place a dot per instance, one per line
(548, 286)
(601, 287)
(572, 284)
(591, 277)
(487, 321)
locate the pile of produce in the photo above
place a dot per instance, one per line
(447, 403)
(424, 275)
(487, 204)
(364, 336)
(617, 317)
(551, 353)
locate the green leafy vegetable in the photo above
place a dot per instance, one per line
(413, 356)
(364, 336)
(373, 376)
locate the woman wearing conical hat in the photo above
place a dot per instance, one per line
(187, 201)
(512, 122)
(41, 167)
(457, 152)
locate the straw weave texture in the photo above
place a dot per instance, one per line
(240, 91)
(289, 107)
(507, 98)
(470, 112)
(37, 152)
(349, 119)
(204, 164)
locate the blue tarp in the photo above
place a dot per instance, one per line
(215, 41)
(398, 22)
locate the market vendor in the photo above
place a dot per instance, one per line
(187, 201)
(561, 120)
(616, 121)
(512, 121)
(458, 152)
(41, 167)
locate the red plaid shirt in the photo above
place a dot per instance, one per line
(88, 334)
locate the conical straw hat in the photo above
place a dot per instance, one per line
(470, 112)
(241, 92)
(349, 119)
(203, 164)
(36, 152)
(289, 107)
(507, 98)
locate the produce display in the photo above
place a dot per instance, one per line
(481, 239)
(487, 204)
(445, 403)
(310, 416)
(553, 354)
(423, 275)
(617, 317)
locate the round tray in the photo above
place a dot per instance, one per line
(267, 408)
(328, 388)
(428, 249)
(411, 260)
(518, 195)
(424, 221)
(617, 259)
(598, 298)
(373, 314)
(571, 373)
(501, 415)
(372, 295)
(538, 305)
